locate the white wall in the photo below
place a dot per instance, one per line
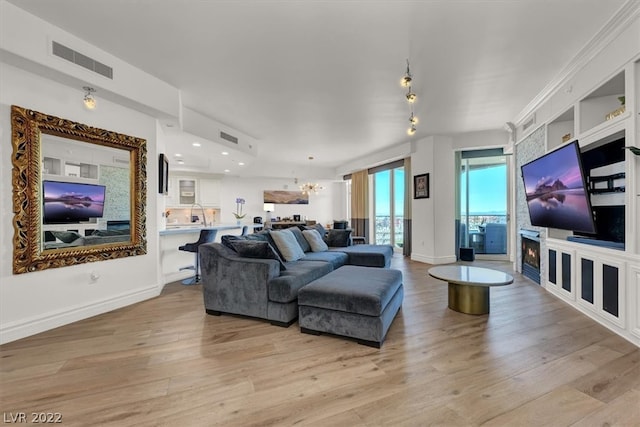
(433, 218)
(34, 302)
(390, 154)
(321, 206)
(480, 140)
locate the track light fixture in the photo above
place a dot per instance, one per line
(89, 101)
(406, 80)
(411, 97)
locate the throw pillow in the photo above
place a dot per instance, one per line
(338, 238)
(66, 236)
(260, 237)
(300, 238)
(318, 227)
(315, 241)
(256, 249)
(287, 244)
(266, 235)
(228, 239)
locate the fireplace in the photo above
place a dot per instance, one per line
(530, 244)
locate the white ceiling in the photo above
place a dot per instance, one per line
(321, 78)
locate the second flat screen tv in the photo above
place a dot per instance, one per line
(71, 202)
(556, 191)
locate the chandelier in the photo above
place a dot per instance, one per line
(308, 187)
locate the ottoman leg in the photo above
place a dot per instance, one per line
(374, 344)
(282, 324)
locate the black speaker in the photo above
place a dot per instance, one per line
(467, 254)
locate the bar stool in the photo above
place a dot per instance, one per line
(206, 236)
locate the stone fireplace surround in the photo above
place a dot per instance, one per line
(530, 148)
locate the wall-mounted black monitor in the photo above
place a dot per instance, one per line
(71, 202)
(556, 191)
(163, 174)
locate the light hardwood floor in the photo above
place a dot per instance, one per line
(533, 361)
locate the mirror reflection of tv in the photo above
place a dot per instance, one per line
(556, 191)
(71, 202)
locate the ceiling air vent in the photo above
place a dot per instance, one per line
(228, 137)
(77, 58)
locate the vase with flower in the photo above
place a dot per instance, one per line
(238, 213)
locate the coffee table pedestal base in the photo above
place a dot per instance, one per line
(469, 299)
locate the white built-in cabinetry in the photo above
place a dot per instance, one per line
(185, 191)
(602, 282)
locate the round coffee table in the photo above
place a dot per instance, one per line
(469, 286)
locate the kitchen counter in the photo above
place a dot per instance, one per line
(172, 259)
(195, 228)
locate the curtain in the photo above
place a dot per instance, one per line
(408, 197)
(360, 204)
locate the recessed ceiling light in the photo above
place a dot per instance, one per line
(178, 155)
(225, 153)
(196, 144)
(181, 162)
(240, 163)
(227, 170)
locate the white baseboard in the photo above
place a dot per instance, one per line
(24, 328)
(433, 260)
(177, 276)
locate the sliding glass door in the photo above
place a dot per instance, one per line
(483, 190)
(389, 206)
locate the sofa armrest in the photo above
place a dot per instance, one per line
(234, 284)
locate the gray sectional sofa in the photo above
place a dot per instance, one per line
(238, 281)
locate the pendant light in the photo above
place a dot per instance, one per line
(89, 101)
(411, 98)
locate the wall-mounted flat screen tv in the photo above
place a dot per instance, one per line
(556, 191)
(71, 202)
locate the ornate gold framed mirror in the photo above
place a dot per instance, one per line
(79, 192)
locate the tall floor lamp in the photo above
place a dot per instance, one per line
(268, 208)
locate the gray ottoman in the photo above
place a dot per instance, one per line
(352, 301)
(368, 255)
